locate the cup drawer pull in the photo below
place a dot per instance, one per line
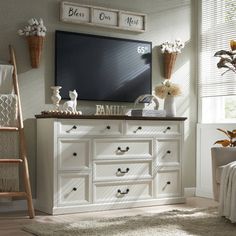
(123, 193)
(123, 150)
(119, 171)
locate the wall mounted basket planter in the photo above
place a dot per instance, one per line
(35, 44)
(169, 62)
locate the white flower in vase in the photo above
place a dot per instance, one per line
(168, 91)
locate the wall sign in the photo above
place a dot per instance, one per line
(75, 13)
(110, 110)
(131, 21)
(104, 17)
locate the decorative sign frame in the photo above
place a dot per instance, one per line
(102, 17)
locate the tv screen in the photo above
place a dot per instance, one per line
(102, 68)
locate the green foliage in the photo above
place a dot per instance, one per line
(230, 107)
(230, 10)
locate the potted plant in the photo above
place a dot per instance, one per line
(221, 156)
(227, 152)
(35, 33)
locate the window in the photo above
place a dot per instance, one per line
(217, 90)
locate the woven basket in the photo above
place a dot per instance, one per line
(169, 62)
(35, 48)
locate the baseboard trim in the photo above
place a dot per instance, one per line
(189, 192)
(112, 206)
(21, 205)
(204, 193)
(16, 205)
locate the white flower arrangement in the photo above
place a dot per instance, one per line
(168, 47)
(34, 27)
(167, 88)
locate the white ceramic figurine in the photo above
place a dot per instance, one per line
(72, 103)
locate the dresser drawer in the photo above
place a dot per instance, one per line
(122, 191)
(89, 127)
(139, 127)
(73, 189)
(73, 154)
(168, 183)
(168, 151)
(122, 170)
(123, 148)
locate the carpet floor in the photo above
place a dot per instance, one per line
(197, 222)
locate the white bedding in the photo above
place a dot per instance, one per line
(227, 206)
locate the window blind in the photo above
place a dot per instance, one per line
(217, 28)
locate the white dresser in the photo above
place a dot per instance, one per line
(90, 163)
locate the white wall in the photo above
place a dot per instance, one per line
(166, 20)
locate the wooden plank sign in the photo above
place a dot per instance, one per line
(75, 13)
(103, 17)
(132, 21)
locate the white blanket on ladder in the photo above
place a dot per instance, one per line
(6, 83)
(227, 206)
(9, 177)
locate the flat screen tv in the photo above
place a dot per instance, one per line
(102, 68)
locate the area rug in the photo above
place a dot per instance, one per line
(198, 222)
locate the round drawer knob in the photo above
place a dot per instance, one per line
(168, 152)
(73, 127)
(139, 128)
(74, 154)
(108, 127)
(167, 128)
(74, 189)
(165, 186)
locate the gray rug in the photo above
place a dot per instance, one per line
(201, 222)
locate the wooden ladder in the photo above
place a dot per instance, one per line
(22, 147)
